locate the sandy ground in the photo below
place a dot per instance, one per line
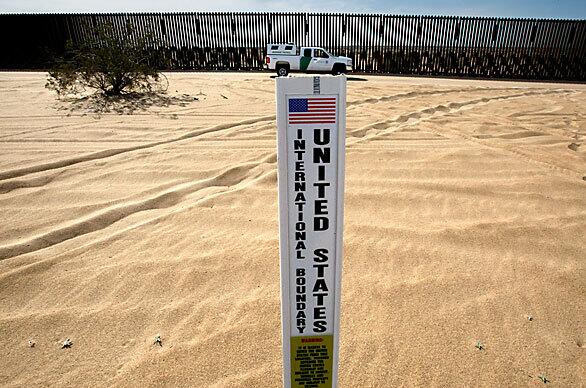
(465, 214)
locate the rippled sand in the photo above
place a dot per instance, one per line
(465, 214)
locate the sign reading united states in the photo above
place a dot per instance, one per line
(314, 110)
(311, 133)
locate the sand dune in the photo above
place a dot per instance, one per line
(465, 214)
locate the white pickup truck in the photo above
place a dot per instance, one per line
(285, 57)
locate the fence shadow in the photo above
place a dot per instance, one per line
(349, 78)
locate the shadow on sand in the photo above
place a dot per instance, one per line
(349, 78)
(125, 104)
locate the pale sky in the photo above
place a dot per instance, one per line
(559, 9)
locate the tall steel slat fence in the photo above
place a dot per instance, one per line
(389, 44)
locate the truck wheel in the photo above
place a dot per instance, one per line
(282, 70)
(339, 69)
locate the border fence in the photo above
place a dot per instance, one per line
(427, 45)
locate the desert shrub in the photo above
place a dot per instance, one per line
(108, 61)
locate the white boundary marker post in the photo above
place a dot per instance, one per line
(311, 134)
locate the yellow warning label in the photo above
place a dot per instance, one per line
(311, 361)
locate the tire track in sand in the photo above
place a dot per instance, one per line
(15, 173)
(428, 113)
(399, 96)
(381, 128)
(241, 175)
(226, 181)
(37, 181)
(13, 184)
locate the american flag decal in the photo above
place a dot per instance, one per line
(312, 110)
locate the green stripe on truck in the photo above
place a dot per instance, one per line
(304, 63)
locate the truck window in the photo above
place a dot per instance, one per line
(307, 53)
(317, 53)
(274, 47)
(288, 47)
